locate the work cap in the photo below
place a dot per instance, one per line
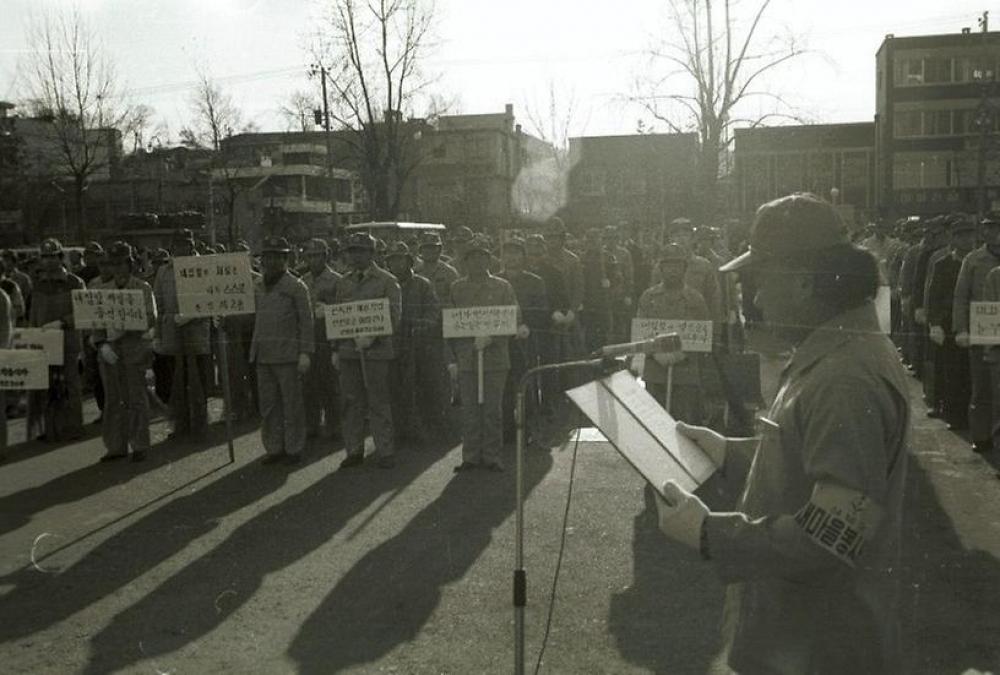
(93, 247)
(50, 247)
(398, 248)
(791, 226)
(990, 220)
(360, 240)
(184, 235)
(515, 244)
(535, 239)
(680, 225)
(478, 244)
(276, 245)
(119, 251)
(430, 239)
(962, 223)
(316, 246)
(462, 234)
(161, 255)
(555, 226)
(672, 253)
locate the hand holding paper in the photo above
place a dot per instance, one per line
(666, 359)
(108, 354)
(962, 339)
(711, 442)
(363, 343)
(937, 335)
(681, 515)
(335, 360)
(523, 332)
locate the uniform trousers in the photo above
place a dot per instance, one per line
(126, 408)
(188, 401)
(482, 425)
(320, 386)
(163, 376)
(953, 389)
(282, 411)
(372, 401)
(981, 398)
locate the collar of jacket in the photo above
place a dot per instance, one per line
(827, 337)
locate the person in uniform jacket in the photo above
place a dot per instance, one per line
(22, 279)
(281, 349)
(320, 383)
(433, 266)
(58, 411)
(673, 299)
(811, 553)
(365, 363)
(6, 329)
(482, 434)
(416, 413)
(951, 363)
(701, 275)
(970, 288)
(187, 342)
(547, 340)
(623, 298)
(124, 356)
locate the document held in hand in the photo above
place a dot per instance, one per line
(642, 431)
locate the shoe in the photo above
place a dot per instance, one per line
(466, 466)
(292, 460)
(385, 462)
(139, 456)
(112, 458)
(273, 458)
(495, 467)
(352, 461)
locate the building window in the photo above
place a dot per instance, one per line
(937, 70)
(937, 122)
(909, 72)
(591, 182)
(907, 123)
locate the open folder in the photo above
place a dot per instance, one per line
(642, 431)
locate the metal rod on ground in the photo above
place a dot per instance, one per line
(227, 395)
(479, 372)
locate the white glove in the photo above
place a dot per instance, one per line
(711, 442)
(304, 363)
(335, 360)
(605, 283)
(181, 320)
(523, 331)
(453, 370)
(666, 359)
(937, 335)
(54, 324)
(681, 515)
(108, 354)
(319, 310)
(363, 343)
(570, 316)
(962, 339)
(481, 342)
(558, 317)
(920, 315)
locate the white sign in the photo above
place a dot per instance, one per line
(463, 322)
(984, 323)
(23, 369)
(361, 318)
(696, 336)
(642, 431)
(214, 285)
(114, 308)
(45, 341)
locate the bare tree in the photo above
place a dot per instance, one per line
(373, 50)
(138, 124)
(72, 80)
(215, 117)
(706, 71)
(298, 111)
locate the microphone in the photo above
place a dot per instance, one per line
(665, 342)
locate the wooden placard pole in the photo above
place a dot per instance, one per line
(227, 395)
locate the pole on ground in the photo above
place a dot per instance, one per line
(227, 395)
(479, 373)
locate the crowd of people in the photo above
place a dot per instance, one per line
(574, 294)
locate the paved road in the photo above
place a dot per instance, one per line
(188, 564)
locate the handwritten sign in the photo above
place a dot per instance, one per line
(984, 323)
(462, 322)
(214, 285)
(361, 318)
(23, 369)
(114, 308)
(46, 341)
(696, 336)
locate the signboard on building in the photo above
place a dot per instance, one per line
(984, 323)
(47, 342)
(696, 336)
(463, 322)
(23, 369)
(214, 285)
(110, 308)
(361, 318)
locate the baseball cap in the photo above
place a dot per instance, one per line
(398, 248)
(478, 244)
(276, 245)
(119, 251)
(791, 226)
(316, 245)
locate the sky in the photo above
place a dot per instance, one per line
(486, 53)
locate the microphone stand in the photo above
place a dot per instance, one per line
(605, 365)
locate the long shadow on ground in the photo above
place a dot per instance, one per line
(389, 595)
(40, 600)
(209, 590)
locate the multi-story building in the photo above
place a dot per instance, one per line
(834, 161)
(936, 122)
(482, 171)
(642, 179)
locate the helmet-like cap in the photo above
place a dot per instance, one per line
(360, 240)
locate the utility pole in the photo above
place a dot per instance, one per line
(331, 186)
(984, 117)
